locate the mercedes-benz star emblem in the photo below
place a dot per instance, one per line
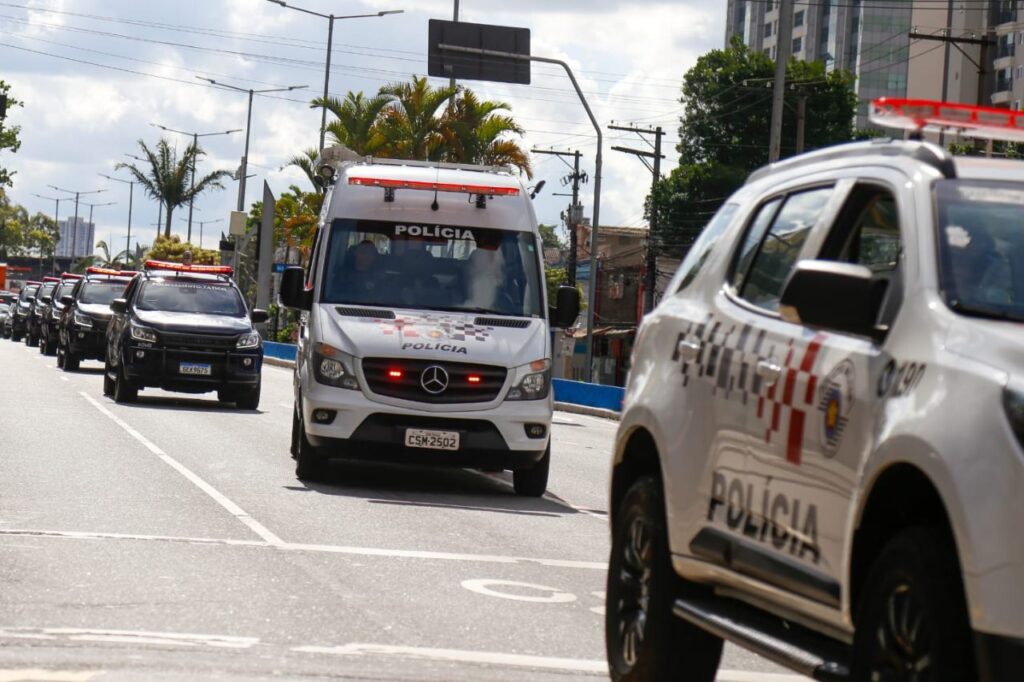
(434, 379)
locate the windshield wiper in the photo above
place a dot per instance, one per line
(986, 312)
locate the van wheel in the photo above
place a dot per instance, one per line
(912, 619)
(296, 426)
(645, 641)
(124, 390)
(249, 399)
(108, 383)
(533, 482)
(310, 465)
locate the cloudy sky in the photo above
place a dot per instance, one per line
(96, 74)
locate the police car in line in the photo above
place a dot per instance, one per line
(23, 310)
(53, 307)
(184, 328)
(39, 310)
(821, 452)
(82, 328)
(7, 299)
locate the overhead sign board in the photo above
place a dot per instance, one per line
(462, 66)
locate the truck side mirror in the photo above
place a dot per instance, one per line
(566, 308)
(258, 316)
(47, 299)
(67, 299)
(293, 292)
(119, 305)
(838, 296)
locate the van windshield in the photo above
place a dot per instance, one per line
(436, 267)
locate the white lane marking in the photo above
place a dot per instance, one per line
(40, 675)
(324, 549)
(288, 405)
(134, 636)
(232, 508)
(552, 595)
(461, 656)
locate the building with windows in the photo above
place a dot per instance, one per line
(77, 239)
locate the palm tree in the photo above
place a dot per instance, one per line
(410, 126)
(103, 259)
(306, 162)
(357, 118)
(475, 133)
(169, 178)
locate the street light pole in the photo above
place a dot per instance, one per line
(330, 40)
(248, 127)
(91, 207)
(131, 191)
(74, 232)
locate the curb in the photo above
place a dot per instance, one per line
(589, 411)
(278, 362)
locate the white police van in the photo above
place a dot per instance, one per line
(426, 332)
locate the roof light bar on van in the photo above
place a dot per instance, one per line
(392, 183)
(96, 270)
(181, 267)
(965, 119)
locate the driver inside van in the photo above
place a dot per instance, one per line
(361, 275)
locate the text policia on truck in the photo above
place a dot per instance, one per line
(426, 338)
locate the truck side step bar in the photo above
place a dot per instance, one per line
(788, 644)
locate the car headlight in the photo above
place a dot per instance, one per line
(531, 382)
(143, 334)
(334, 368)
(54, 314)
(1013, 405)
(250, 340)
(83, 320)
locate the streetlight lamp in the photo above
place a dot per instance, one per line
(56, 220)
(330, 38)
(248, 126)
(195, 147)
(131, 192)
(201, 224)
(74, 230)
(91, 207)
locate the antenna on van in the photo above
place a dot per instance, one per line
(437, 178)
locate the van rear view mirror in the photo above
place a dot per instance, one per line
(293, 289)
(566, 308)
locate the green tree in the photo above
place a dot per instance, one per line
(558, 277)
(172, 249)
(306, 162)
(356, 119)
(549, 237)
(8, 135)
(724, 132)
(411, 124)
(476, 132)
(168, 178)
(23, 234)
(102, 257)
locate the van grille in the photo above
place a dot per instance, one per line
(408, 386)
(349, 311)
(508, 322)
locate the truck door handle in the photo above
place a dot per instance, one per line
(688, 350)
(768, 371)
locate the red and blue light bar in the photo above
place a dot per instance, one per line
(96, 270)
(181, 267)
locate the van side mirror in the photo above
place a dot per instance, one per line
(838, 296)
(293, 292)
(67, 299)
(258, 316)
(566, 308)
(119, 305)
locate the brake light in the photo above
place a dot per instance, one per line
(473, 378)
(181, 267)
(966, 119)
(95, 270)
(395, 373)
(490, 190)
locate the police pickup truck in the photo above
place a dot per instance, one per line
(821, 452)
(184, 328)
(82, 329)
(23, 310)
(53, 308)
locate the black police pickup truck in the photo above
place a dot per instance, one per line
(23, 310)
(50, 312)
(39, 309)
(82, 331)
(184, 328)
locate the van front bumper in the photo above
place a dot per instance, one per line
(362, 429)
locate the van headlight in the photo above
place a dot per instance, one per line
(250, 340)
(143, 334)
(531, 382)
(334, 368)
(83, 320)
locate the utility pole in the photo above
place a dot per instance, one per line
(801, 121)
(455, 18)
(575, 213)
(783, 47)
(651, 261)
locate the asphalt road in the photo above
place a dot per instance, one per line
(170, 540)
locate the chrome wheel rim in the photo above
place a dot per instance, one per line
(902, 651)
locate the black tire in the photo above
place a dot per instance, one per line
(912, 621)
(248, 399)
(644, 641)
(71, 361)
(42, 344)
(310, 465)
(296, 429)
(533, 482)
(124, 390)
(108, 383)
(31, 340)
(225, 396)
(60, 357)
(51, 347)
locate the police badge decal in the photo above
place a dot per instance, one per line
(835, 399)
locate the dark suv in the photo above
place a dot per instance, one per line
(50, 312)
(6, 299)
(184, 328)
(82, 330)
(23, 309)
(40, 308)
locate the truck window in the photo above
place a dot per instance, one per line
(436, 267)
